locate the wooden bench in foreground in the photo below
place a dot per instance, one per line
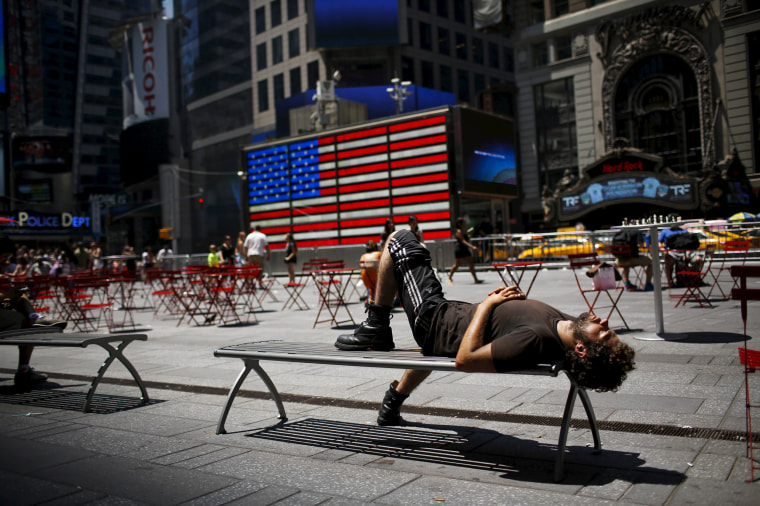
(252, 353)
(54, 337)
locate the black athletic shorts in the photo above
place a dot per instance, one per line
(417, 283)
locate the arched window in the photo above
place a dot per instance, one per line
(657, 110)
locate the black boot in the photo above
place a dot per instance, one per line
(390, 410)
(374, 333)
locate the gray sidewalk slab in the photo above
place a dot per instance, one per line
(671, 435)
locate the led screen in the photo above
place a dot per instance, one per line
(488, 153)
(645, 188)
(38, 191)
(350, 23)
(339, 188)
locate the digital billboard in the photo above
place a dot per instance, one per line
(488, 153)
(42, 153)
(670, 191)
(38, 191)
(340, 187)
(343, 23)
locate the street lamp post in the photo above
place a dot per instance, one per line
(399, 93)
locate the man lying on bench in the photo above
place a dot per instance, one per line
(504, 332)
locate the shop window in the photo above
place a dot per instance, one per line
(277, 50)
(536, 11)
(292, 9)
(278, 83)
(463, 85)
(442, 8)
(445, 74)
(261, 56)
(312, 74)
(263, 87)
(295, 81)
(444, 41)
(540, 54)
(428, 79)
(563, 47)
(493, 55)
(561, 7)
(426, 36)
(261, 20)
(294, 43)
(276, 11)
(554, 107)
(478, 51)
(461, 42)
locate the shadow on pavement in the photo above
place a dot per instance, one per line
(54, 396)
(706, 337)
(470, 447)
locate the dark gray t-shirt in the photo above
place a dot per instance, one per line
(522, 333)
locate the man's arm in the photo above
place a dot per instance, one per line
(473, 355)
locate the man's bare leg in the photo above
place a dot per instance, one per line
(411, 379)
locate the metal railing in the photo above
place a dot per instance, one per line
(550, 247)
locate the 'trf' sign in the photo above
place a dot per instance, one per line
(64, 220)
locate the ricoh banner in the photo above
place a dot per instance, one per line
(147, 87)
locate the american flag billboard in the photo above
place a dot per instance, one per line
(339, 187)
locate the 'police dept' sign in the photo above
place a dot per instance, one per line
(52, 221)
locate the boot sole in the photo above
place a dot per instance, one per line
(362, 347)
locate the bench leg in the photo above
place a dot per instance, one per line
(575, 391)
(115, 354)
(559, 463)
(248, 365)
(593, 425)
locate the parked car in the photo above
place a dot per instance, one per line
(561, 247)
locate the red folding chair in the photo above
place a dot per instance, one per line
(623, 251)
(733, 252)
(294, 290)
(749, 358)
(582, 262)
(693, 280)
(85, 302)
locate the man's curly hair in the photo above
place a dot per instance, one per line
(604, 368)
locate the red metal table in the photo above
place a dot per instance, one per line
(515, 271)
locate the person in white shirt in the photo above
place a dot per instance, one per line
(255, 247)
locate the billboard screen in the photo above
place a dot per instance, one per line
(488, 153)
(42, 153)
(341, 23)
(646, 188)
(339, 188)
(36, 191)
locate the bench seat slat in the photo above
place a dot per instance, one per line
(321, 353)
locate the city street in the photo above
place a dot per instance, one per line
(673, 434)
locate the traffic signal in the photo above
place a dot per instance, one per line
(200, 203)
(165, 233)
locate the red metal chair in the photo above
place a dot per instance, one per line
(623, 251)
(85, 302)
(749, 358)
(693, 280)
(582, 262)
(734, 252)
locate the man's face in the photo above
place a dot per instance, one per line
(598, 331)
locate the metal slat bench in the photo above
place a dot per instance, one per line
(252, 353)
(54, 337)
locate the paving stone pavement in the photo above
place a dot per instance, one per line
(671, 435)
